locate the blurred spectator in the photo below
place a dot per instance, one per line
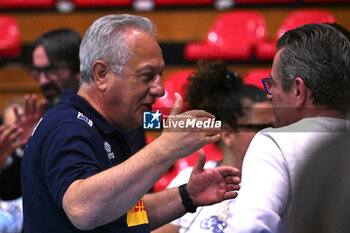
(10, 152)
(11, 217)
(55, 63)
(243, 110)
(55, 66)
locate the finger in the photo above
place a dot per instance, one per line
(232, 179)
(210, 131)
(16, 111)
(211, 139)
(33, 104)
(14, 135)
(2, 129)
(5, 136)
(229, 171)
(232, 187)
(198, 167)
(230, 195)
(20, 143)
(177, 107)
(26, 104)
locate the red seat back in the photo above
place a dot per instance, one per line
(10, 44)
(304, 16)
(267, 49)
(26, 3)
(103, 3)
(255, 76)
(233, 35)
(182, 2)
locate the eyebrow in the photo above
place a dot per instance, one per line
(151, 68)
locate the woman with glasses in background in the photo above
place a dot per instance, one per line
(243, 110)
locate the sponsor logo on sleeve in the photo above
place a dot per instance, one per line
(108, 148)
(84, 118)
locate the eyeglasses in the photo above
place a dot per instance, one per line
(268, 83)
(255, 127)
(47, 70)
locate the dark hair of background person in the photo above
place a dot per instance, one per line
(61, 47)
(321, 201)
(221, 92)
(327, 50)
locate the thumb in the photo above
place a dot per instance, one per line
(198, 167)
(16, 112)
(177, 107)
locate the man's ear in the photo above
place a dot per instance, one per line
(301, 92)
(227, 135)
(99, 71)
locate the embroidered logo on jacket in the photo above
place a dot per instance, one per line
(137, 215)
(108, 148)
(85, 118)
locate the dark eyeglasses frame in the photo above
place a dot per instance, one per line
(267, 82)
(50, 70)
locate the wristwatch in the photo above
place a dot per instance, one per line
(186, 199)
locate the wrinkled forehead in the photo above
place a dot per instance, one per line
(144, 48)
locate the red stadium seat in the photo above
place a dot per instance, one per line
(26, 3)
(255, 76)
(176, 82)
(10, 44)
(263, 1)
(267, 49)
(324, 1)
(183, 2)
(233, 36)
(101, 3)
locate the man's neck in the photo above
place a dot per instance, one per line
(318, 111)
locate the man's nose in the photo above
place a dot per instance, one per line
(43, 79)
(157, 88)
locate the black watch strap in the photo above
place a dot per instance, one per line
(186, 199)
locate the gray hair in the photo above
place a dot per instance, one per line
(104, 40)
(320, 55)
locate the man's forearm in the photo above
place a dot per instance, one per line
(108, 195)
(163, 207)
